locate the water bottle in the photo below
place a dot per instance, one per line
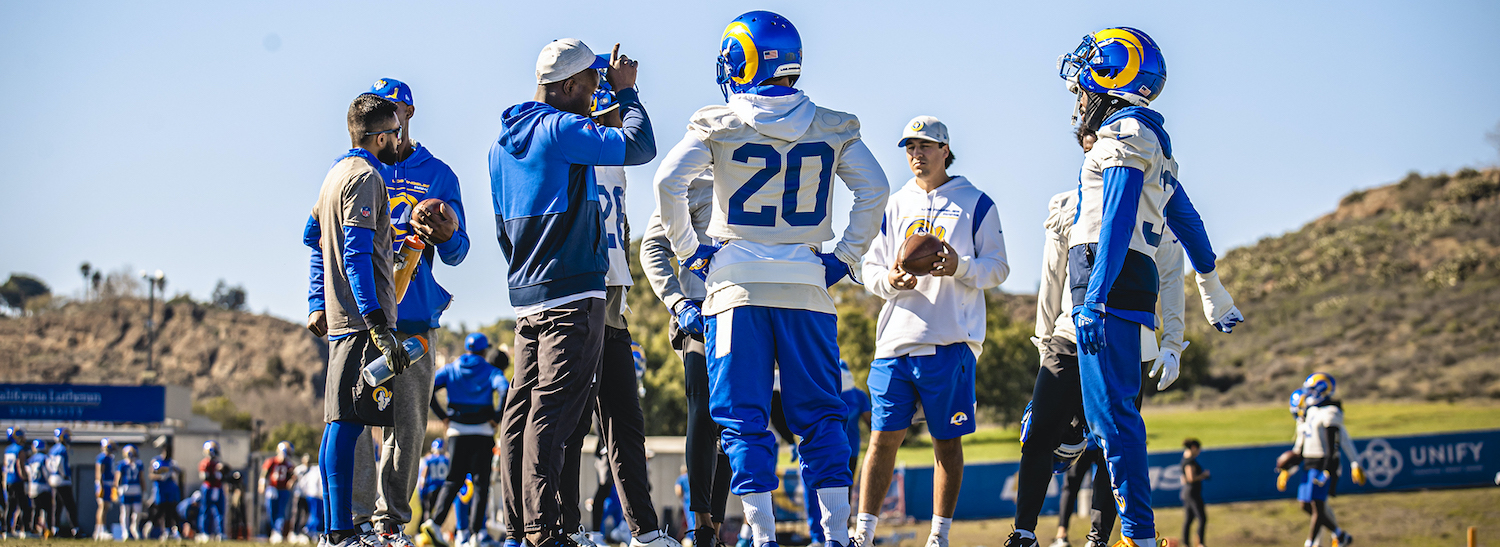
(406, 264)
(377, 372)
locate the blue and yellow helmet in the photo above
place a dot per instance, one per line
(1317, 389)
(604, 98)
(438, 444)
(38, 445)
(15, 435)
(62, 434)
(130, 451)
(210, 448)
(1120, 61)
(756, 47)
(1295, 403)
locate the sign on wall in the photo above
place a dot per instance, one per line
(73, 402)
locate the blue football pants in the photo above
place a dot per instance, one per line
(1111, 380)
(745, 345)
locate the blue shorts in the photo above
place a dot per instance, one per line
(942, 382)
(1310, 490)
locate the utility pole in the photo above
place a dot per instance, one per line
(154, 282)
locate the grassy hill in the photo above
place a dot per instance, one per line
(1395, 293)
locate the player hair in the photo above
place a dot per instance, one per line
(948, 162)
(499, 358)
(367, 110)
(1191, 442)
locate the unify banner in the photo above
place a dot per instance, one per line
(69, 402)
(1449, 460)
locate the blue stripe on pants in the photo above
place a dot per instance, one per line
(754, 340)
(1110, 381)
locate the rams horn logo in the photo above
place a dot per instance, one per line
(917, 125)
(921, 226)
(379, 84)
(959, 418)
(740, 32)
(382, 398)
(1132, 45)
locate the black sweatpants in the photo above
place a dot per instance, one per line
(17, 507)
(707, 465)
(557, 357)
(62, 498)
(471, 456)
(1195, 509)
(622, 429)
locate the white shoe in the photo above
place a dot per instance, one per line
(662, 540)
(598, 539)
(276, 537)
(399, 539)
(583, 539)
(1060, 542)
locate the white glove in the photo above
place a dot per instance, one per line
(1167, 365)
(1218, 306)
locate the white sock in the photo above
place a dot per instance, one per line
(760, 514)
(940, 526)
(1308, 543)
(648, 537)
(1026, 534)
(745, 529)
(864, 526)
(835, 504)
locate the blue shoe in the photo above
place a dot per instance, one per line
(744, 542)
(512, 542)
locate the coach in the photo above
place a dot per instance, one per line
(550, 230)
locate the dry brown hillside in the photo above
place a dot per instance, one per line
(268, 367)
(1396, 292)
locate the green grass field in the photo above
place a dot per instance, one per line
(1240, 426)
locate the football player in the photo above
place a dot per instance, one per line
(773, 154)
(1320, 437)
(211, 472)
(432, 474)
(60, 477)
(931, 327)
(104, 484)
(166, 475)
(39, 489)
(128, 492)
(16, 501)
(276, 484)
(476, 391)
(1056, 400)
(1128, 192)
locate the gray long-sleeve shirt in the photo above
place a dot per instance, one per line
(656, 248)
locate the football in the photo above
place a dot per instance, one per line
(919, 253)
(435, 213)
(1288, 460)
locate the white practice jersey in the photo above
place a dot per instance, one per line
(1126, 143)
(610, 180)
(1055, 301)
(940, 310)
(1321, 434)
(773, 162)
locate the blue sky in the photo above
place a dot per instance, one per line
(192, 136)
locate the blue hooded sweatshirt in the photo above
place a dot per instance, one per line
(422, 176)
(547, 215)
(476, 390)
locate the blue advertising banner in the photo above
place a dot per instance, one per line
(1448, 460)
(71, 402)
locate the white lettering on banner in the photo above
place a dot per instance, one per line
(1445, 454)
(1166, 477)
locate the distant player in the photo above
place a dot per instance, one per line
(60, 478)
(1193, 475)
(276, 486)
(128, 492)
(168, 492)
(773, 154)
(931, 327)
(1320, 437)
(104, 487)
(211, 471)
(1128, 192)
(39, 490)
(17, 503)
(431, 474)
(858, 403)
(310, 487)
(475, 391)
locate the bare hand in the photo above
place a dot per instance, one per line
(430, 228)
(317, 322)
(900, 279)
(622, 70)
(947, 262)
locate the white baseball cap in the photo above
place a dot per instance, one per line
(563, 58)
(926, 128)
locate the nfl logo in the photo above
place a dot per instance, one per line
(364, 212)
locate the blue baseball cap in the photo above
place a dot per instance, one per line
(477, 342)
(395, 90)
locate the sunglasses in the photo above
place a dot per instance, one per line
(392, 130)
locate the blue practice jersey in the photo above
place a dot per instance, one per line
(59, 465)
(437, 466)
(106, 465)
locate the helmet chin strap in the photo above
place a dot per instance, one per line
(1096, 109)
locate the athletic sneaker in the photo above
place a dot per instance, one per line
(583, 540)
(597, 538)
(937, 541)
(1016, 540)
(398, 539)
(1343, 539)
(434, 533)
(662, 540)
(704, 536)
(1060, 542)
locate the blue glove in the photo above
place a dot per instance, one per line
(698, 264)
(833, 268)
(1089, 321)
(690, 317)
